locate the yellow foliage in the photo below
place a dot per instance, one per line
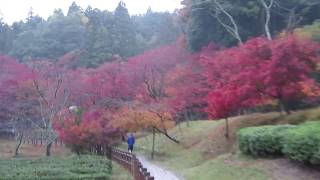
(138, 118)
(311, 32)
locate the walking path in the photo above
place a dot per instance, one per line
(157, 172)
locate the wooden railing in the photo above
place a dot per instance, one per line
(130, 162)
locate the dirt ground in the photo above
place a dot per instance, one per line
(7, 148)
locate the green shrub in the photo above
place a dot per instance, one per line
(303, 143)
(71, 168)
(263, 140)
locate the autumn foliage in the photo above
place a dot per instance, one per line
(157, 89)
(89, 129)
(259, 71)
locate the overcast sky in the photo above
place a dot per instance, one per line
(15, 10)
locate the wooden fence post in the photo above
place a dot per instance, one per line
(133, 166)
(128, 161)
(41, 138)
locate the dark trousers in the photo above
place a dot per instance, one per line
(130, 148)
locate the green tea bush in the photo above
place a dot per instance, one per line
(263, 140)
(303, 143)
(71, 168)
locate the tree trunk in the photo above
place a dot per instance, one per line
(227, 128)
(283, 108)
(98, 149)
(77, 152)
(19, 144)
(153, 142)
(111, 166)
(109, 152)
(268, 17)
(48, 149)
(233, 29)
(186, 117)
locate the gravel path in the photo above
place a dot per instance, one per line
(157, 172)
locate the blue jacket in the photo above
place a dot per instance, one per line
(131, 141)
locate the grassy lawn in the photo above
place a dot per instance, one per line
(223, 169)
(205, 154)
(179, 156)
(31, 164)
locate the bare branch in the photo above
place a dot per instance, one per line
(233, 30)
(167, 135)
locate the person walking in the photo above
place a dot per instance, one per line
(130, 141)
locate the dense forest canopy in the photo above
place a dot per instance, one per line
(97, 36)
(94, 36)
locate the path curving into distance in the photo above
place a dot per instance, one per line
(157, 172)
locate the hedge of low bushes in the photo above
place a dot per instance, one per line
(300, 142)
(263, 140)
(303, 143)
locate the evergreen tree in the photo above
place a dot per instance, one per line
(98, 46)
(155, 29)
(6, 37)
(74, 9)
(123, 32)
(26, 44)
(62, 34)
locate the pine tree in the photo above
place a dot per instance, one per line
(74, 9)
(124, 39)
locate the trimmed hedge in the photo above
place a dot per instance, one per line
(263, 140)
(301, 143)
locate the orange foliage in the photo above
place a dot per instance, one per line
(135, 118)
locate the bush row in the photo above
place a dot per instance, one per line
(300, 142)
